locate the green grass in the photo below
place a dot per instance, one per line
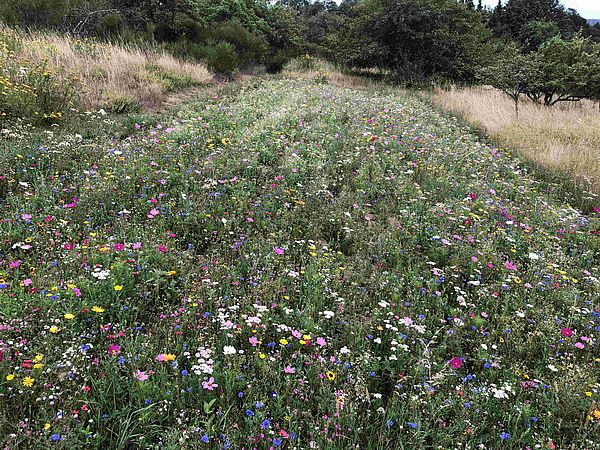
(291, 264)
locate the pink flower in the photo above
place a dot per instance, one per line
(27, 282)
(141, 376)
(153, 213)
(253, 341)
(579, 345)
(162, 249)
(566, 332)
(456, 362)
(278, 250)
(26, 217)
(114, 349)
(510, 265)
(77, 292)
(119, 247)
(321, 342)
(210, 384)
(289, 369)
(137, 245)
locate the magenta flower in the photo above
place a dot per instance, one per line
(289, 369)
(278, 250)
(579, 345)
(162, 249)
(510, 265)
(119, 247)
(566, 332)
(114, 349)
(456, 362)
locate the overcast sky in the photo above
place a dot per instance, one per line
(590, 9)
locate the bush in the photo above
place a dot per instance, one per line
(221, 58)
(31, 92)
(250, 48)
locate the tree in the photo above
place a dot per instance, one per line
(514, 73)
(415, 40)
(569, 70)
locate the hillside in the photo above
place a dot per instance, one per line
(593, 22)
(292, 264)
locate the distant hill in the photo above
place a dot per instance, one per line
(593, 22)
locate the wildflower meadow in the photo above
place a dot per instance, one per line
(292, 264)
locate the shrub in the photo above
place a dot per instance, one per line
(32, 92)
(221, 58)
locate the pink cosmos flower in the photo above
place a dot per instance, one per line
(456, 362)
(26, 217)
(27, 282)
(289, 369)
(137, 245)
(253, 341)
(114, 349)
(141, 376)
(510, 265)
(579, 345)
(162, 249)
(119, 247)
(153, 213)
(278, 250)
(566, 332)
(321, 342)
(210, 384)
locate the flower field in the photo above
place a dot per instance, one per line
(292, 265)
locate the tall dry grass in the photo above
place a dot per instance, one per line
(109, 74)
(565, 137)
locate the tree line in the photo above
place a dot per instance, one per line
(532, 48)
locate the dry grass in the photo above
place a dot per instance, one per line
(565, 137)
(110, 74)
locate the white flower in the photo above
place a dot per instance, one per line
(328, 314)
(344, 350)
(229, 350)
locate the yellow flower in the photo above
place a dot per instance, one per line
(37, 358)
(97, 309)
(171, 273)
(261, 355)
(169, 357)
(47, 426)
(225, 141)
(330, 376)
(118, 287)
(283, 341)
(588, 394)
(596, 414)
(69, 316)
(10, 377)
(28, 381)
(54, 329)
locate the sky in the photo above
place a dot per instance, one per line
(590, 9)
